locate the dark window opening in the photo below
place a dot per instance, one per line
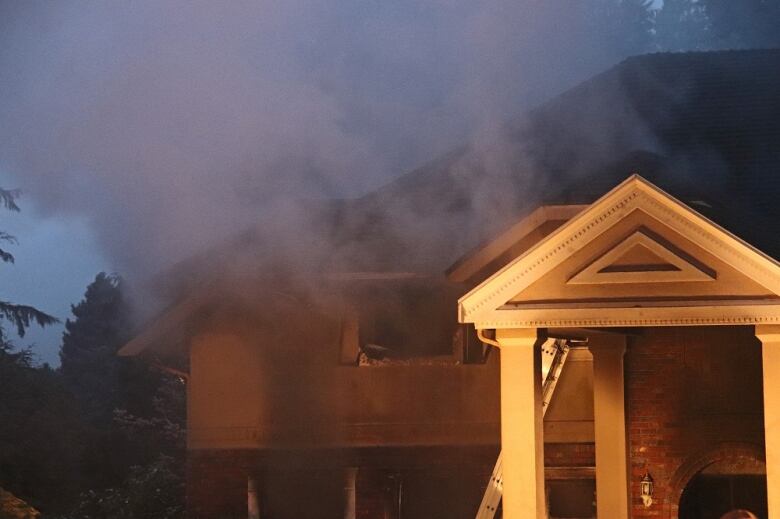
(572, 499)
(407, 322)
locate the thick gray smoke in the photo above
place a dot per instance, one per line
(173, 125)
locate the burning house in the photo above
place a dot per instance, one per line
(616, 337)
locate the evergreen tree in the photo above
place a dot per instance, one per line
(681, 25)
(88, 357)
(154, 487)
(38, 429)
(40, 433)
(155, 490)
(21, 316)
(743, 23)
(91, 372)
(109, 390)
(626, 26)
(637, 19)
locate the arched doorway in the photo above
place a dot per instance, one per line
(740, 514)
(731, 488)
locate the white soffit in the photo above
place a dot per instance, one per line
(488, 305)
(474, 261)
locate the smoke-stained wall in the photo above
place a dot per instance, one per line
(275, 381)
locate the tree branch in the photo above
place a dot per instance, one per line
(22, 316)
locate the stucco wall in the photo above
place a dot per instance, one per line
(260, 384)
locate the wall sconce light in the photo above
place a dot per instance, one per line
(646, 489)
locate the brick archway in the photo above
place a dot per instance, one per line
(727, 451)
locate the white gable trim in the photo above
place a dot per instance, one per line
(472, 262)
(485, 303)
(685, 270)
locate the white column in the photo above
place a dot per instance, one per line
(612, 474)
(770, 353)
(350, 478)
(522, 444)
(253, 501)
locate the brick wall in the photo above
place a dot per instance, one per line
(290, 484)
(693, 397)
(569, 455)
(299, 484)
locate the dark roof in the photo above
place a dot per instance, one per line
(703, 126)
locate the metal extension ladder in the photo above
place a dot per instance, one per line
(554, 353)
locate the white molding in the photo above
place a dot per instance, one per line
(481, 304)
(701, 315)
(593, 273)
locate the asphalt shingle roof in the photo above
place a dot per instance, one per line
(704, 126)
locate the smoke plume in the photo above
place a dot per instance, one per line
(172, 126)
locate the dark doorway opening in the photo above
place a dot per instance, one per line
(711, 496)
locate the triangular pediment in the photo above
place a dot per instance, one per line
(635, 257)
(642, 258)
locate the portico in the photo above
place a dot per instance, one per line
(635, 259)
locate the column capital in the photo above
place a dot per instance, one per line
(517, 336)
(768, 333)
